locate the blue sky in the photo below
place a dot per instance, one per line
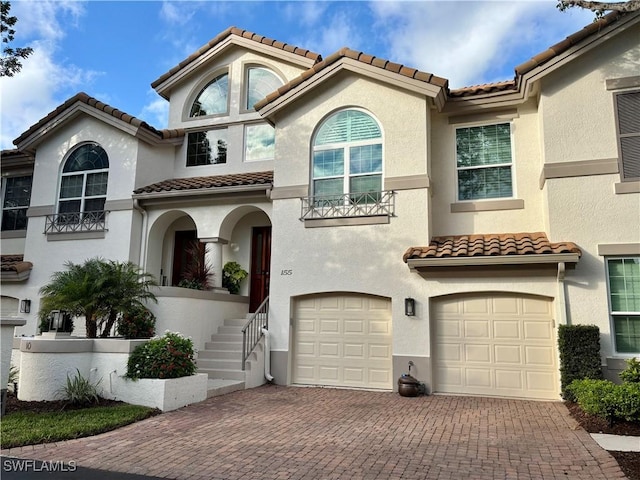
(113, 50)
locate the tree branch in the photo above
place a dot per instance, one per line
(629, 6)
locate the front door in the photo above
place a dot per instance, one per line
(181, 254)
(260, 264)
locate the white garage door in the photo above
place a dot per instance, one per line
(342, 340)
(495, 344)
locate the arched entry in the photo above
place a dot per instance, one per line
(494, 343)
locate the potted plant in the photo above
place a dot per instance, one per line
(232, 276)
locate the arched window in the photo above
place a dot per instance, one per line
(260, 83)
(212, 99)
(83, 186)
(347, 157)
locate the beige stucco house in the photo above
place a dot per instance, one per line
(386, 218)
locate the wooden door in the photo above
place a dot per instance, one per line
(260, 265)
(181, 255)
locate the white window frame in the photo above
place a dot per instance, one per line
(245, 87)
(245, 156)
(511, 164)
(196, 92)
(612, 314)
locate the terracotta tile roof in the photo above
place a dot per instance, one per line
(361, 57)
(14, 263)
(240, 33)
(216, 181)
(490, 245)
(541, 58)
(97, 104)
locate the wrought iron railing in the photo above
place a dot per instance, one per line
(252, 330)
(76, 222)
(348, 205)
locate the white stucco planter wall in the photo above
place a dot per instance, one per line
(164, 394)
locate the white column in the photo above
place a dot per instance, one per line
(213, 258)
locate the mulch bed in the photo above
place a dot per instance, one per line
(629, 461)
(15, 405)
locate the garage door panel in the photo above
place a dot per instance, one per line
(477, 353)
(540, 330)
(508, 379)
(507, 354)
(506, 329)
(504, 306)
(474, 329)
(506, 346)
(379, 352)
(351, 335)
(477, 377)
(541, 356)
(352, 350)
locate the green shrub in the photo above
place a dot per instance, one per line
(232, 276)
(579, 347)
(607, 400)
(631, 374)
(79, 390)
(138, 322)
(170, 356)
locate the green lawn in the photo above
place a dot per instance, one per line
(28, 428)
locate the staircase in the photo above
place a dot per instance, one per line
(221, 359)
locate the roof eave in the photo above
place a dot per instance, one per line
(435, 92)
(172, 194)
(496, 260)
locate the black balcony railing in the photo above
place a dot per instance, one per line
(348, 205)
(76, 222)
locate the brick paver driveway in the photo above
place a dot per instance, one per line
(311, 433)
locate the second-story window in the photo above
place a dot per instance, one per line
(15, 202)
(212, 99)
(260, 82)
(83, 185)
(484, 162)
(628, 116)
(347, 156)
(208, 147)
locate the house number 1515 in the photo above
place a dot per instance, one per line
(286, 272)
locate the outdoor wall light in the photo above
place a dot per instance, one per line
(25, 306)
(409, 307)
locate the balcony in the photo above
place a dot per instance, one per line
(349, 205)
(76, 222)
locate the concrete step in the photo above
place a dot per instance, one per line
(235, 322)
(233, 329)
(220, 354)
(216, 387)
(227, 337)
(216, 364)
(224, 346)
(223, 374)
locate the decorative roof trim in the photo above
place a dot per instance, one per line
(552, 258)
(79, 103)
(351, 60)
(14, 268)
(231, 35)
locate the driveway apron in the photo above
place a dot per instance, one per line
(275, 432)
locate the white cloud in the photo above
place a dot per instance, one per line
(44, 82)
(179, 13)
(156, 111)
(329, 35)
(471, 42)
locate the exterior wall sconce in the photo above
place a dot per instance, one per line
(409, 307)
(25, 306)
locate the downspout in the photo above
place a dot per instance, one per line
(143, 235)
(562, 301)
(267, 355)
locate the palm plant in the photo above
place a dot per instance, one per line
(99, 290)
